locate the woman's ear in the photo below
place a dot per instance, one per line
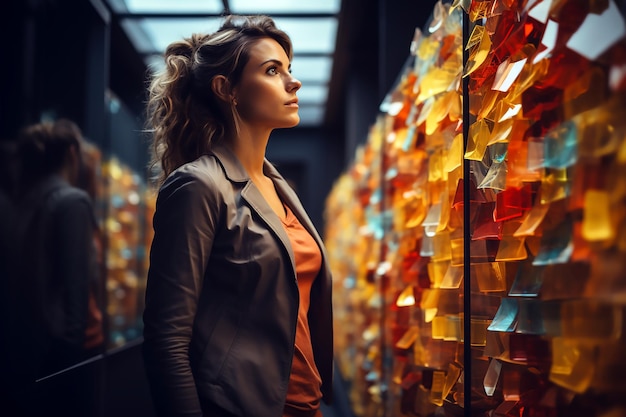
(222, 89)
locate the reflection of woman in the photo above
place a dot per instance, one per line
(238, 318)
(54, 234)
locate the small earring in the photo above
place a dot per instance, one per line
(235, 102)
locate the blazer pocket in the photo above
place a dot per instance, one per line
(219, 345)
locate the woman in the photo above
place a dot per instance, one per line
(238, 318)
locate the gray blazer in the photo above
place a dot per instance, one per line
(222, 296)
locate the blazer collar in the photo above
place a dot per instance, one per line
(237, 173)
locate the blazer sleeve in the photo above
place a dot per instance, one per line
(184, 228)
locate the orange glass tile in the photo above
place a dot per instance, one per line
(437, 271)
(587, 92)
(408, 338)
(453, 278)
(532, 220)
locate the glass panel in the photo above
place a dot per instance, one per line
(154, 35)
(315, 35)
(178, 6)
(284, 6)
(312, 69)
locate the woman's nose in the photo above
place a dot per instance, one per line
(293, 84)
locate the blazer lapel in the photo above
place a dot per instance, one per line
(251, 194)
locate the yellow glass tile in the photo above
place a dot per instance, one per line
(454, 158)
(437, 271)
(479, 53)
(439, 80)
(490, 277)
(441, 247)
(479, 134)
(420, 353)
(511, 248)
(457, 248)
(438, 327)
(408, 338)
(452, 377)
(453, 328)
(489, 101)
(572, 364)
(445, 219)
(453, 278)
(532, 220)
(429, 303)
(529, 76)
(437, 388)
(554, 185)
(597, 224)
(435, 167)
(501, 132)
(479, 10)
(406, 297)
(478, 331)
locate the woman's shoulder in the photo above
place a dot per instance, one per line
(202, 175)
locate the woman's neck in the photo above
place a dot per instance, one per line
(250, 150)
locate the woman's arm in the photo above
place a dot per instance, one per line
(184, 227)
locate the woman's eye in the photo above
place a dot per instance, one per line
(272, 71)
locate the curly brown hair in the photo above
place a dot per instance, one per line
(184, 116)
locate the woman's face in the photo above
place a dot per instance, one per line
(266, 94)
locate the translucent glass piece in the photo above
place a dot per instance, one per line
(506, 74)
(408, 338)
(437, 272)
(453, 278)
(555, 185)
(535, 156)
(479, 53)
(427, 246)
(406, 297)
(478, 331)
(572, 364)
(548, 42)
(455, 154)
(490, 277)
(441, 247)
(505, 319)
(512, 203)
(539, 9)
(484, 225)
(490, 382)
(496, 177)
(560, 146)
(511, 248)
(532, 220)
(592, 39)
(438, 327)
(556, 245)
(437, 388)
(529, 316)
(479, 134)
(597, 224)
(528, 281)
(587, 92)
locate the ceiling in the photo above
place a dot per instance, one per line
(312, 25)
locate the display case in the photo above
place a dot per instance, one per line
(476, 241)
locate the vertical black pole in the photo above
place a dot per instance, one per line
(467, 311)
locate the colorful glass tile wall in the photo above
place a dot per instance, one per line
(546, 157)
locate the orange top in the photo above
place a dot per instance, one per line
(304, 390)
